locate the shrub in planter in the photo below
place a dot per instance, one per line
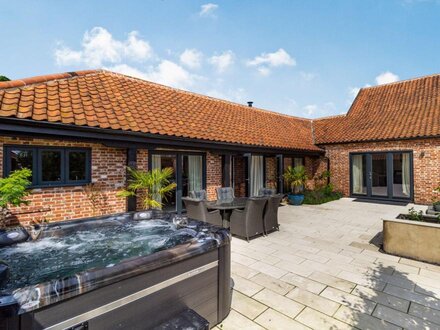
(296, 178)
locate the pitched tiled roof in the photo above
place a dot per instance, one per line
(401, 110)
(107, 100)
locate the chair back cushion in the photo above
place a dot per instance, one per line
(225, 194)
(198, 194)
(255, 207)
(266, 192)
(195, 208)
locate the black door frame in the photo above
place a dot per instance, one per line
(389, 166)
(179, 167)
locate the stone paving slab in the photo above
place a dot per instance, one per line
(324, 270)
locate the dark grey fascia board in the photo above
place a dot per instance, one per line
(125, 139)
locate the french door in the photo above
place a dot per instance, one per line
(382, 175)
(189, 174)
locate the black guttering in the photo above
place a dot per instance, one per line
(422, 137)
(125, 139)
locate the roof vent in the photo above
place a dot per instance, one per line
(250, 104)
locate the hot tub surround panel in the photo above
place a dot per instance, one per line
(195, 275)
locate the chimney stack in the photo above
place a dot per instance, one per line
(250, 104)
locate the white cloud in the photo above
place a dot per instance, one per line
(275, 59)
(98, 47)
(386, 78)
(264, 71)
(171, 74)
(166, 72)
(278, 58)
(191, 58)
(136, 48)
(207, 10)
(66, 56)
(223, 61)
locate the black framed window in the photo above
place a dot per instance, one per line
(50, 166)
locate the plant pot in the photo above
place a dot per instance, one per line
(437, 207)
(295, 199)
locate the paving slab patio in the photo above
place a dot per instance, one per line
(324, 270)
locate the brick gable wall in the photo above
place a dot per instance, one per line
(426, 153)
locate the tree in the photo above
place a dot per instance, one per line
(13, 190)
(4, 78)
(151, 186)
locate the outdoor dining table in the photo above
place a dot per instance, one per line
(226, 207)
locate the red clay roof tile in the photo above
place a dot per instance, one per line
(401, 110)
(109, 100)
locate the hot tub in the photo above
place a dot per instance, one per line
(126, 271)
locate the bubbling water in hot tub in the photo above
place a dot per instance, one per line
(58, 257)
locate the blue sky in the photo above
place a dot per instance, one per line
(304, 58)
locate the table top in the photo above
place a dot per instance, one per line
(236, 203)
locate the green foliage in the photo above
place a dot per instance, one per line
(150, 186)
(314, 197)
(296, 177)
(414, 215)
(4, 78)
(13, 190)
(323, 192)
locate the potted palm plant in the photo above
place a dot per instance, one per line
(152, 186)
(296, 178)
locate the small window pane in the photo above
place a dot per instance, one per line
(77, 165)
(51, 165)
(21, 158)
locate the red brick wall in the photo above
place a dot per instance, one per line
(315, 166)
(213, 174)
(271, 173)
(239, 173)
(426, 155)
(63, 203)
(142, 164)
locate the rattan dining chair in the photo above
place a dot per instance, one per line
(248, 223)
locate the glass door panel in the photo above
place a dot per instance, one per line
(401, 175)
(163, 161)
(192, 174)
(359, 174)
(257, 174)
(239, 173)
(379, 186)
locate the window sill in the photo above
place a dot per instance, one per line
(59, 185)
